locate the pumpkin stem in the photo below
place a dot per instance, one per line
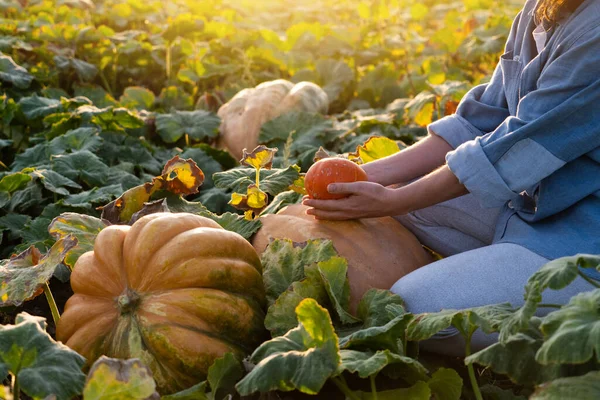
(128, 301)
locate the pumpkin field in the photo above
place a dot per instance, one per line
(146, 149)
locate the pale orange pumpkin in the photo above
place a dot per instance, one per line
(379, 251)
(331, 170)
(174, 290)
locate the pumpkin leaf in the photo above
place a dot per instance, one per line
(303, 359)
(281, 316)
(13, 182)
(272, 181)
(260, 157)
(372, 307)
(284, 263)
(11, 72)
(196, 392)
(43, 366)
(519, 321)
(83, 227)
(96, 195)
(55, 182)
(467, 321)
(370, 363)
(151, 207)
(111, 378)
(83, 165)
(35, 107)
(585, 387)
(198, 125)
(136, 97)
(374, 148)
(223, 374)
(446, 384)
(307, 131)
(229, 221)
(255, 199)
(334, 274)
(178, 177)
(559, 273)
(282, 200)
(572, 333)
(23, 276)
(515, 357)
(419, 391)
(390, 336)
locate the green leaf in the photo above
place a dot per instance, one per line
(303, 359)
(419, 391)
(196, 392)
(38, 107)
(390, 336)
(336, 78)
(559, 273)
(284, 262)
(198, 125)
(13, 182)
(55, 182)
(84, 70)
(307, 131)
(515, 358)
(14, 223)
(492, 392)
(83, 227)
(23, 277)
(519, 321)
(137, 97)
(585, 387)
(229, 221)
(223, 374)
(82, 165)
(280, 201)
(93, 196)
(27, 198)
(369, 363)
(13, 73)
(572, 333)
(272, 181)
(372, 307)
(333, 273)
(446, 384)
(76, 139)
(98, 96)
(488, 318)
(111, 378)
(281, 315)
(44, 367)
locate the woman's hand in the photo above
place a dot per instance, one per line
(366, 200)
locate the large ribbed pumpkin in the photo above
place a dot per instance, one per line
(174, 290)
(379, 251)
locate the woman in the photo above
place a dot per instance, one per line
(516, 173)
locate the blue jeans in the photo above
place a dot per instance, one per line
(474, 272)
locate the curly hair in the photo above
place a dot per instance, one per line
(553, 10)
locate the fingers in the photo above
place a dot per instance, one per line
(329, 215)
(329, 205)
(349, 188)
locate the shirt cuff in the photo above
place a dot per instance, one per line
(474, 170)
(454, 129)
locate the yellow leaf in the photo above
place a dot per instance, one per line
(257, 199)
(425, 115)
(376, 147)
(249, 215)
(437, 78)
(418, 11)
(237, 199)
(260, 157)
(298, 185)
(364, 10)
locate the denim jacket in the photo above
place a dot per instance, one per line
(529, 140)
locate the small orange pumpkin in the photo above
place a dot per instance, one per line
(331, 170)
(175, 290)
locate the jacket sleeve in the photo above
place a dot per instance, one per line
(554, 124)
(481, 110)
